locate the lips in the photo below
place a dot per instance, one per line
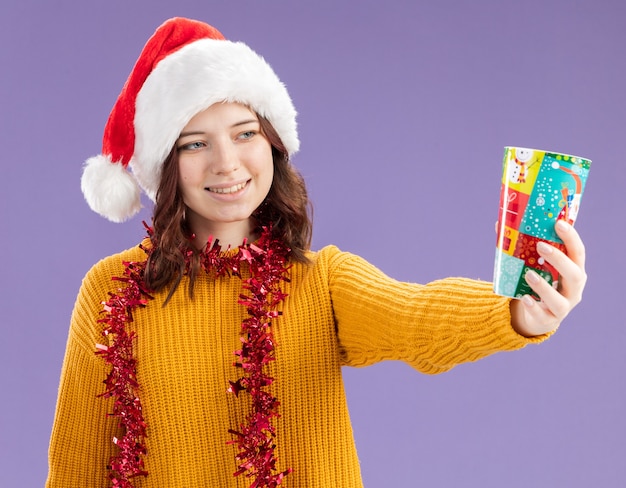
(228, 189)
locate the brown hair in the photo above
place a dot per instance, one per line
(286, 208)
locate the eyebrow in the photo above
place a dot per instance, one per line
(199, 132)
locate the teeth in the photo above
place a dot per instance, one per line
(232, 189)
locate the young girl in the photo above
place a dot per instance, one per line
(210, 355)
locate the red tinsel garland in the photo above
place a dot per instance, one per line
(268, 264)
(121, 382)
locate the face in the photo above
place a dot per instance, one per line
(225, 171)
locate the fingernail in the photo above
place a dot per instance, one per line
(544, 248)
(532, 277)
(562, 225)
(528, 301)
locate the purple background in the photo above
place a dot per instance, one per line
(405, 108)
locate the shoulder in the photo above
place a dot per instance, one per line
(94, 291)
(327, 258)
(333, 261)
(100, 275)
(328, 255)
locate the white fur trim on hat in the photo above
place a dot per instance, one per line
(110, 189)
(192, 79)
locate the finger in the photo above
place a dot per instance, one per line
(538, 319)
(573, 242)
(570, 271)
(572, 275)
(553, 303)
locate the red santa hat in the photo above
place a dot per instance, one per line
(184, 68)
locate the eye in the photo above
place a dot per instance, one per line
(192, 146)
(247, 134)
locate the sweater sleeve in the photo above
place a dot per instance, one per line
(82, 433)
(431, 327)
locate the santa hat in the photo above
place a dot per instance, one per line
(184, 68)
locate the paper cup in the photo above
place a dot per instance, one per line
(538, 188)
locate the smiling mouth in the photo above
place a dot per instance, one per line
(230, 189)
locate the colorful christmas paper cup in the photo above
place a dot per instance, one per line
(538, 188)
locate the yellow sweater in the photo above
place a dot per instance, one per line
(340, 311)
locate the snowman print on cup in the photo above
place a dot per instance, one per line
(518, 169)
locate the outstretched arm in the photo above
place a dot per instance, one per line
(530, 317)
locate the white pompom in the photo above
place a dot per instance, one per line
(110, 190)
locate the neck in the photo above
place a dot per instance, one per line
(229, 234)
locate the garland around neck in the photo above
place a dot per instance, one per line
(267, 260)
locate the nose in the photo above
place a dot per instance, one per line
(224, 158)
